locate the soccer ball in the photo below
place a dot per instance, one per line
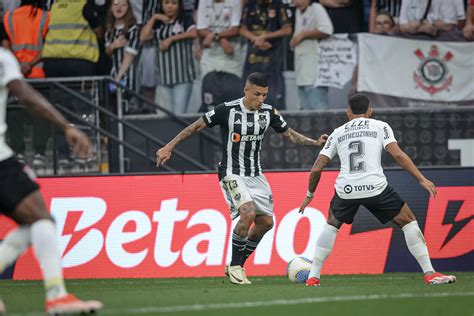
(298, 269)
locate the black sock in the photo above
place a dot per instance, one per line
(238, 245)
(250, 247)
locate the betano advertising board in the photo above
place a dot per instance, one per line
(162, 226)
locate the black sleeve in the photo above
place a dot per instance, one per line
(278, 122)
(216, 116)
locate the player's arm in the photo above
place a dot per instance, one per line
(297, 138)
(406, 163)
(314, 178)
(35, 101)
(164, 154)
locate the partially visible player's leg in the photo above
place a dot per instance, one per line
(323, 248)
(32, 211)
(14, 244)
(416, 243)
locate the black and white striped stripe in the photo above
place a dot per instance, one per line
(392, 6)
(132, 47)
(242, 134)
(176, 64)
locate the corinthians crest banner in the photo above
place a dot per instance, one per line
(416, 69)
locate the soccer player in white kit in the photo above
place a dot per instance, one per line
(20, 198)
(361, 181)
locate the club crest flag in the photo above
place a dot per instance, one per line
(416, 69)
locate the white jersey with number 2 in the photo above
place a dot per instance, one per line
(359, 145)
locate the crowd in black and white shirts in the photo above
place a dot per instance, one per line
(165, 45)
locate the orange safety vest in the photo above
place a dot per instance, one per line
(26, 33)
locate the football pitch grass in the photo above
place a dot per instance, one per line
(387, 294)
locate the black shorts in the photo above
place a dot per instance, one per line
(384, 206)
(15, 184)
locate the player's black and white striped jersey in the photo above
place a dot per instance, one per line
(242, 133)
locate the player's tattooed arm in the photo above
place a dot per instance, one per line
(164, 154)
(297, 138)
(315, 174)
(314, 178)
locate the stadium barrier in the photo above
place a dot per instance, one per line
(161, 226)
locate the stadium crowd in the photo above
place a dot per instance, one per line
(159, 48)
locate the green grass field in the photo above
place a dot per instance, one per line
(388, 294)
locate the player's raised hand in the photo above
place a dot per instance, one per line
(305, 203)
(322, 139)
(81, 146)
(429, 186)
(163, 155)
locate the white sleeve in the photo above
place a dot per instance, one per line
(324, 21)
(9, 68)
(448, 12)
(236, 13)
(460, 12)
(403, 18)
(201, 21)
(330, 148)
(387, 134)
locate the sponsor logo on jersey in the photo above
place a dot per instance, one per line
(432, 74)
(358, 188)
(236, 137)
(238, 122)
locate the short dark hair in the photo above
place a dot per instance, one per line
(258, 79)
(359, 104)
(386, 13)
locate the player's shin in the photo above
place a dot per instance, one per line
(43, 239)
(14, 244)
(238, 246)
(323, 248)
(250, 247)
(417, 246)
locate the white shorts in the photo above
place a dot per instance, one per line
(239, 190)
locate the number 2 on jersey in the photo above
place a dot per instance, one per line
(357, 152)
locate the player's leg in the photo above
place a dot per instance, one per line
(32, 212)
(263, 223)
(416, 243)
(241, 205)
(323, 248)
(340, 211)
(263, 199)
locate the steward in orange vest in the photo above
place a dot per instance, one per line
(26, 28)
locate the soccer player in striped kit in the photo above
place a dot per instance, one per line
(243, 124)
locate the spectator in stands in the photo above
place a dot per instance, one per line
(392, 10)
(384, 24)
(428, 17)
(71, 50)
(347, 16)
(468, 29)
(146, 70)
(26, 29)
(218, 24)
(312, 24)
(174, 32)
(121, 43)
(264, 24)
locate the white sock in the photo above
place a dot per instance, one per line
(323, 248)
(14, 244)
(44, 241)
(417, 245)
